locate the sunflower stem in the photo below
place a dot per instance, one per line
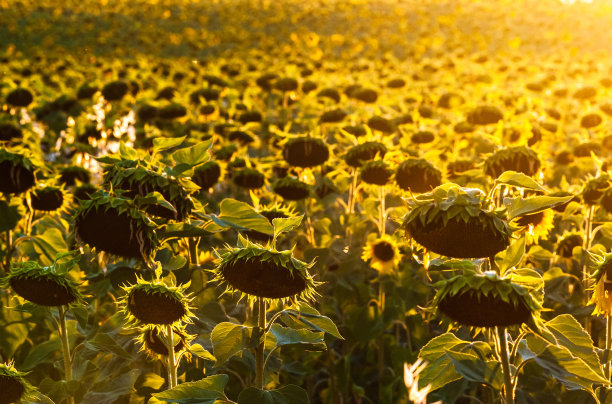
(193, 250)
(505, 361)
(9, 251)
(608, 345)
(585, 268)
(172, 365)
(63, 331)
(259, 352)
(381, 341)
(381, 214)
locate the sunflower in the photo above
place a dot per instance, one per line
(158, 302)
(536, 225)
(257, 271)
(383, 254)
(13, 385)
(602, 296)
(477, 299)
(152, 343)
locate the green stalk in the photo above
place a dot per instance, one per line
(381, 341)
(172, 365)
(259, 352)
(193, 250)
(585, 270)
(63, 331)
(381, 213)
(608, 345)
(505, 361)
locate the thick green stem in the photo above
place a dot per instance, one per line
(503, 352)
(63, 331)
(172, 365)
(381, 340)
(259, 352)
(608, 345)
(193, 251)
(382, 212)
(586, 280)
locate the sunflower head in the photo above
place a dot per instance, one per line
(291, 189)
(376, 172)
(567, 243)
(47, 198)
(455, 222)
(536, 225)
(305, 151)
(367, 151)
(417, 175)
(383, 254)
(476, 299)
(14, 386)
(16, 171)
(152, 340)
(46, 286)
(520, 159)
(158, 302)
(602, 296)
(593, 189)
(256, 271)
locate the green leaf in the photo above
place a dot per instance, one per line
(154, 198)
(228, 339)
(107, 391)
(290, 336)
(126, 152)
(193, 155)
(165, 143)
(517, 179)
(289, 394)
(204, 391)
(199, 351)
(105, 343)
(240, 215)
(179, 230)
(49, 244)
(9, 216)
(312, 319)
(510, 257)
(535, 204)
(440, 369)
(472, 368)
(282, 224)
(152, 381)
(44, 352)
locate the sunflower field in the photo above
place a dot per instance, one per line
(305, 201)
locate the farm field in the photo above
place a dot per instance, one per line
(292, 202)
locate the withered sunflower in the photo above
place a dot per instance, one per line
(152, 343)
(155, 302)
(520, 159)
(376, 172)
(113, 224)
(357, 155)
(46, 286)
(594, 189)
(487, 300)
(14, 386)
(567, 243)
(207, 175)
(291, 189)
(383, 254)
(305, 152)
(257, 271)
(16, 172)
(454, 221)
(417, 175)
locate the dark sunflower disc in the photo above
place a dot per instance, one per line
(154, 344)
(485, 115)
(8, 131)
(249, 178)
(458, 239)
(20, 97)
(417, 175)
(207, 175)
(45, 291)
(47, 200)
(11, 389)
(155, 308)
(305, 152)
(384, 251)
(113, 232)
(262, 279)
(15, 178)
(376, 174)
(567, 245)
(291, 190)
(532, 219)
(477, 310)
(115, 90)
(70, 175)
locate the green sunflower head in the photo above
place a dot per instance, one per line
(14, 386)
(455, 222)
(46, 286)
(476, 299)
(158, 303)
(256, 271)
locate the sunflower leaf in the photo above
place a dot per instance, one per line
(289, 394)
(204, 391)
(229, 339)
(519, 206)
(165, 143)
(518, 180)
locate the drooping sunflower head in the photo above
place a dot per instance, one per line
(16, 171)
(376, 172)
(594, 188)
(520, 159)
(46, 286)
(417, 175)
(14, 386)
(567, 243)
(363, 152)
(157, 302)
(153, 342)
(47, 198)
(305, 151)
(455, 222)
(383, 254)
(536, 225)
(256, 271)
(602, 296)
(476, 299)
(291, 189)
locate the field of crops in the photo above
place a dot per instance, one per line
(293, 201)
